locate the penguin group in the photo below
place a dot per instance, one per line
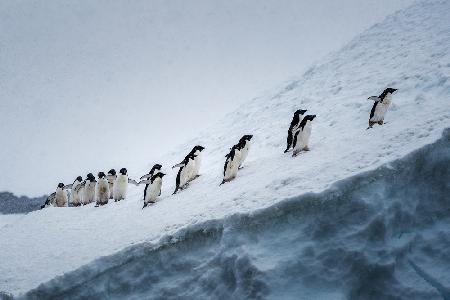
(113, 186)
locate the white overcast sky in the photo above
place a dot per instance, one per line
(90, 85)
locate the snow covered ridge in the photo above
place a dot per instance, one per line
(381, 234)
(410, 51)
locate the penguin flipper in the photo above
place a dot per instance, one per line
(374, 98)
(145, 176)
(132, 181)
(144, 182)
(178, 165)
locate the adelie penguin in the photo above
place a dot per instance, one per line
(61, 196)
(49, 201)
(192, 171)
(57, 198)
(121, 185)
(89, 189)
(244, 143)
(77, 191)
(184, 172)
(380, 107)
(232, 162)
(111, 177)
(302, 135)
(197, 152)
(102, 190)
(152, 188)
(155, 169)
(295, 124)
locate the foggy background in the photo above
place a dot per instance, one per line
(90, 85)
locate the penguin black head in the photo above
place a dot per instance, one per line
(300, 112)
(156, 167)
(389, 90)
(309, 117)
(90, 176)
(101, 175)
(79, 178)
(199, 148)
(159, 174)
(61, 185)
(112, 172)
(123, 171)
(247, 137)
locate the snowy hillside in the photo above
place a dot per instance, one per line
(409, 51)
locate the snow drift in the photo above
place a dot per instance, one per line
(242, 252)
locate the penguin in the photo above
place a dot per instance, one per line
(89, 189)
(102, 190)
(233, 159)
(244, 143)
(184, 172)
(121, 185)
(193, 170)
(301, 137)
(61, 196)
(156, 167)
(380, 107)
(75, 196)
(197, 152)
(111, 178)
(152, 188)
(295, 123)
(49, 201)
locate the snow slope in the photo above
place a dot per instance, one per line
(409, 51)
(381, 234)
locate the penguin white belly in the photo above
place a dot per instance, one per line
(75, 197)
(111, 180)
(380, 111)
(232, 166)
(153, 191)
(89, 192)
(197, 164)
(244, 153)
(120, 187)
(185, 174)
(303, 138)
(61, 198)
(102, 191)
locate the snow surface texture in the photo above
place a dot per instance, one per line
(410, 51)
(380, 234)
